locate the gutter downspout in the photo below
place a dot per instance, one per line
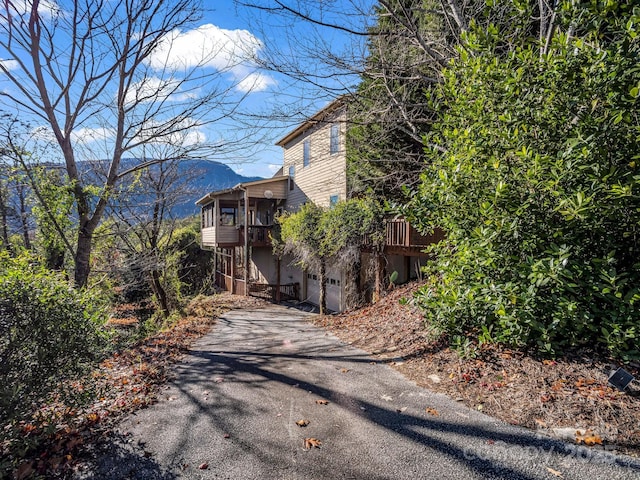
(246, 241)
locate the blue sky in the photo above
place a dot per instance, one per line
(275, 33)
(234, 41)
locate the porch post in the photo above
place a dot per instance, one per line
(246, 243)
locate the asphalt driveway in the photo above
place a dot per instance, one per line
(231, 412)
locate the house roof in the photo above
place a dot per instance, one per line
(240, 186)
(312, 121)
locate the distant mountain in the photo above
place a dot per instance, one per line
(203, 176)
(210, 176)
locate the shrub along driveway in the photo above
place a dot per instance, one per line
(231, 412)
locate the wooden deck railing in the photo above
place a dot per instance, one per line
(400, 233)
(288, 291)
(259, 235)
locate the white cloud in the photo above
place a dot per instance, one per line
(88, 135)
(255, 82)
(274, 167)
(230, 51)
(153, 89)
(186, 134)
(23, 7)
(10, 64)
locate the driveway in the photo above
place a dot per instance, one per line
(231, 411)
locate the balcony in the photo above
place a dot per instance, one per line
(259, 235)
(231, 236)
(402, 237)
(400, 233)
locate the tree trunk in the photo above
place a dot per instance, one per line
(323, 287)
(160, 293)
(377, 289)
(24, 217)
(353, 288)
(278, 280)
(82, 257)
(3, 219)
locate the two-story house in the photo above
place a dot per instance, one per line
(236, 222)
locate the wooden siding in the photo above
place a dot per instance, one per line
(208, 237)
(278, 189)
(220, 235)
(325, 175)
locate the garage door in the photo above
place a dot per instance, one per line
(334, 290)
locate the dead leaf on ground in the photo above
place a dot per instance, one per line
(303, 423)
(203, 466)
(24, 471)
(344, 370)
(589, 438)
(311, 442)
(555, 472)
(322, 402)
(432, 411)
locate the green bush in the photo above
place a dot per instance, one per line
(539, 189)
(48, 332)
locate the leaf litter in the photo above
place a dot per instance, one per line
(538, 393)
(58, 436)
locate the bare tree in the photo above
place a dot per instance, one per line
(103, 78)
(389, 54)
(145, 219)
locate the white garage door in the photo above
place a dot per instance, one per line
(334, 290)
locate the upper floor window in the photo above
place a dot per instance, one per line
(207, 216)
(334, 142)
(306, 153)
(292, 173)
(228, 216)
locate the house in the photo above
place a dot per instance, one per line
(236, 223)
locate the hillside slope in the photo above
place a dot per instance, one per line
(568, 397)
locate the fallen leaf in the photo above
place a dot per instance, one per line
(386, 398)
(322, 402)
(548, 362)
(93, 417)
(24, 471)
(588, 438)
(311, 442)
(432, 411)
(203, 466)
(555, 472)
(401, 410)
(226, 435)
(540, 423)
(344, 370)
(303, 423)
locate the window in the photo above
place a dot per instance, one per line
(333, 200)
(292, 174)
(306, 153)
(207, 216)
(334, 142)
(227, 216)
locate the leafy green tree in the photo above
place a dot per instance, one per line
(52, 201)
(538, 186)
(48, 332)
(302, 237)
(315, 236)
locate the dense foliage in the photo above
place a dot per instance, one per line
(314, 236)
(539, 187)
(48, 332)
